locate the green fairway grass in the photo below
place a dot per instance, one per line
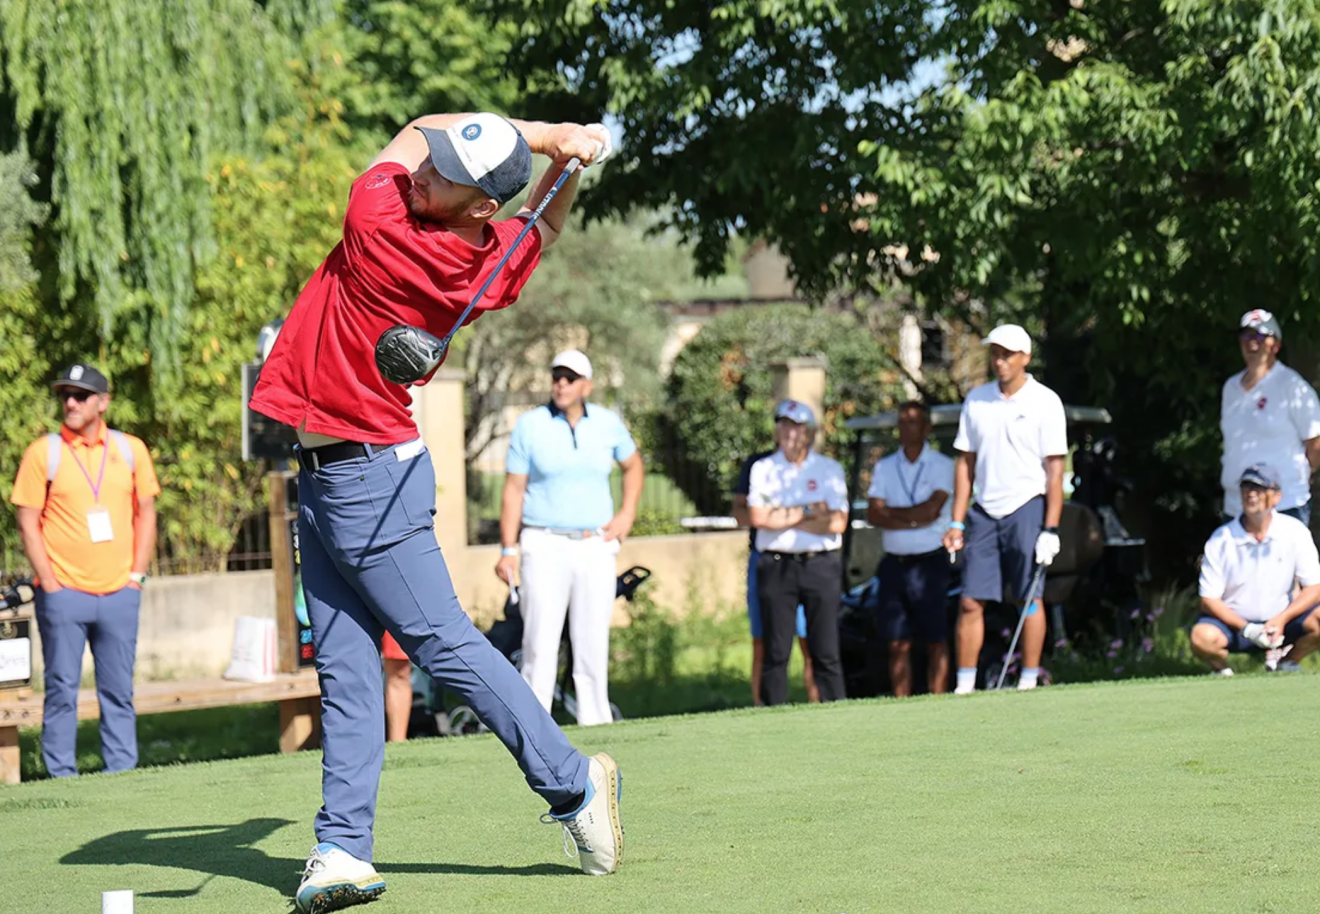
(1193, 795)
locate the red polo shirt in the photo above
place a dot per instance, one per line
(389, 269)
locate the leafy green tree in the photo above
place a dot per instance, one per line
(23, 399)
(1126, 178)
(737, 116)
(719, 398)
(1139, 174)
(122, 104)
(597, 289)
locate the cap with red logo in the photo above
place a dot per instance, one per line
(1262, 322)
(795, 411)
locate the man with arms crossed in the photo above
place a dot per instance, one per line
(1251, 569)
(1013, 438)
(1269, 414)
(909, 502)
(419, 239)
(797, 500)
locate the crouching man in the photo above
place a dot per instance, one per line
(1260, 582)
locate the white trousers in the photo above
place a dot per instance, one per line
(578, 578)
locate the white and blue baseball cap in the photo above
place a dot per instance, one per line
(1261, 474)
(484, 151)
(795, 411)
(1261, 321)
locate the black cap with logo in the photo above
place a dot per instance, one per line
(82, 377)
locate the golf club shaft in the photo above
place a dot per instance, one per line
(569, 170)
(1022, 618)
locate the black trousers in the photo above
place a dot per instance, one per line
(814, 581)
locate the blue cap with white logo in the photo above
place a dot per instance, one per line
(484, 151)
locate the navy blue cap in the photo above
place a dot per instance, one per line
(1261, 474)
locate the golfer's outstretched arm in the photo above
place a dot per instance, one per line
(556, 213)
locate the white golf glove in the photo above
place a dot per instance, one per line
(1255, 633)
(605, 145)
(1047, 547)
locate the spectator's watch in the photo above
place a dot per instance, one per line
(139, 578)
(1054, 530)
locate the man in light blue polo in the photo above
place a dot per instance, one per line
(558, 516)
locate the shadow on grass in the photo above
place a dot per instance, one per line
(227, 850)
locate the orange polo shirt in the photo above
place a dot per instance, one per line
(79, 563)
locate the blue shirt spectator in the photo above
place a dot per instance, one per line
(567, 468)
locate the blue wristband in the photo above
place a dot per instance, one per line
(957, 525)
(509, 550)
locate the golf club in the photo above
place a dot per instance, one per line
(1022, 618)
(406, 354)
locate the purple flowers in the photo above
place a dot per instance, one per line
(1147, 645)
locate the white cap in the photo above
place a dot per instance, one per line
(574, 360)
(795, 411)
(484, 151)
(1011, 337)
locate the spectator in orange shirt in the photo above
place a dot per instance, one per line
(86, 499)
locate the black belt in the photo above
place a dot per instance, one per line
(914, 559)
(326, 454)
(799, 556)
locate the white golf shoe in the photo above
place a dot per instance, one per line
(1225, 673)
(594, 829)
(964, 690)
(335, 879)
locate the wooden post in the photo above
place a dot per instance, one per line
(281, 557)
(300, 724)
(10, 762)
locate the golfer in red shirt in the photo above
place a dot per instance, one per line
(420, 238)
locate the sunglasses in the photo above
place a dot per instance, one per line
(563, 374)
(77, 393)
(1253, 336)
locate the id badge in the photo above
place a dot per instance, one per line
(98, 524)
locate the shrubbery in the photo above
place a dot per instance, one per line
(719, 399)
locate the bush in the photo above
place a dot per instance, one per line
(719, 396)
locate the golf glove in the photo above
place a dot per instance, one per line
(1047, 547)
(606, 143)
(1256, 634)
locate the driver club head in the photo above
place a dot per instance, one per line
(406, 354)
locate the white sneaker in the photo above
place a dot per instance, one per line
(595, 829)
(335, 879)
(1026, 687)
(1225, 673)
(964, 690)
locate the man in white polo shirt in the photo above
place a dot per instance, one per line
(1260, 581)
(798, 502)
(1013, 438)
(909, 502)
(1269, 414)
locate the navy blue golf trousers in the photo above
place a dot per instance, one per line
(370, 562)
(69, 620)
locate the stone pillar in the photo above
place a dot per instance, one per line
(438, 411)
(802, 379)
